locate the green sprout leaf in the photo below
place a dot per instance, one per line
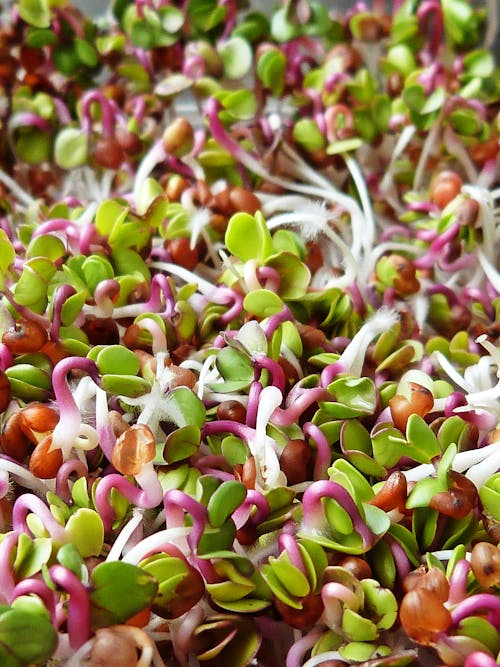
(35, 12)
(119, 590)
(247, 237)
(71, 148)
(26, 637)
(7, 257)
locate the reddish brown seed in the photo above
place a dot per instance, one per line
(44, 463)
(420, 402)
(244, 200)
(135, 447)
(13, 441)
(423, 615)
(406, 282)
(4, 391)
(311, 336)
(393, 494)
(444, 188)
(301, 619)
(314, 256)
(178, 137)
(459, 500)
(128, 141)
(182, 254)
(294, 461)
(38, 418)
(467, 212)
(246, 473)
(433, 580)
(101, 330)
(486, 150)
(485, 563)
(113, 649)
(118, 424)
(108, 153)
(182, 377)
(175, 187)
(218, 222)
(24, 337)
(232, 410)
(357, 566)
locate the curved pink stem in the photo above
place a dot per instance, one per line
(78, 606)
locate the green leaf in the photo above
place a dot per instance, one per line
(26, 638)
(479, 63)
(263, 303)
(224, 501)
(117, 359)
(271, 68)
(118, 591)
(86, 532)
(292, 578)
(35, 12)
(7, 257)
(423, 445)
(69, 556)
(37, 38)
(86, 53)
(184, 408)
(247, 237)
(181, 443)
(294, 274)
(236, 55)
(71, 148)
(31, 556)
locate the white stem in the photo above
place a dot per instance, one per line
(126, 532)
(204, 286)
(28, 480)
(20, 194)
(155, 541)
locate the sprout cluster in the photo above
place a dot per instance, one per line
(249, 321)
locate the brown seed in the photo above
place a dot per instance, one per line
(301, 619)
(486, 150)
(178, 137)
(181, 252)
(420, 402)
(485, 563)
(101, 330)
(112, 649)
(108, 153)
(357, 566)
(393, 494)
(24, 337)
(118, 424)
(135, 447)
(13, 441)
(467, 212)
(243, 200)
(423, 615)
(4, 391)
(45, 464)
(38, 418)
(444, 188)
(128, 141)
(311, 336)
(433, 580)
(294, 461)
(246, 473)
(232, 410)
(175, 187)
(459, 500)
